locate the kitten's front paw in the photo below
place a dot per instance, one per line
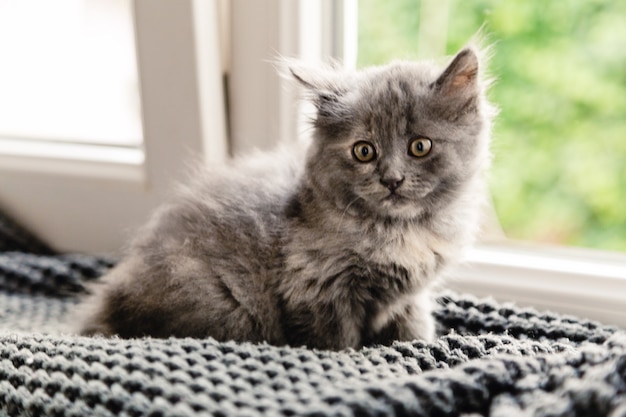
(426, 328)
(406, 328)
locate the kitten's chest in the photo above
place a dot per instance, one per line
(418, 251)
(373, 267)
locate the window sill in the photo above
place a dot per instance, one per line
(73, 159)
(581, 282)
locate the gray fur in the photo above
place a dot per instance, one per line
(305, 246)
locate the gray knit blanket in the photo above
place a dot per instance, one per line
(491, 359)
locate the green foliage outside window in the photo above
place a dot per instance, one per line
(559, 144)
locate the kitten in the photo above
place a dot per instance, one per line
(333, 246)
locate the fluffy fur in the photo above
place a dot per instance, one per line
(309, 245)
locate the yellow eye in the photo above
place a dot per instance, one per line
(364, 151)
(420, 147)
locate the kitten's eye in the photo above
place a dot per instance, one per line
(364, 151)
(420, 147)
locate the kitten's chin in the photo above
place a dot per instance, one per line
(394, 198)
(396, 206)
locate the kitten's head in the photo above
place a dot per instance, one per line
(400, 140)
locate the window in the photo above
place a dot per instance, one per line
(123, 94)
(69, 72)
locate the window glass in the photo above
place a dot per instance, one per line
(559, 143)
(68, 71)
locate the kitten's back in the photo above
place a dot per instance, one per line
(213, 248)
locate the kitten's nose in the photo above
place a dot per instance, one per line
(392, 183)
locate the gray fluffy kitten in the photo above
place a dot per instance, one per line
(334, 246)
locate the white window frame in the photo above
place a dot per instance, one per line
(89, 198)
(581, 282)
(263, 106)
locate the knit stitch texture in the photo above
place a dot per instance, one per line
(491, 359)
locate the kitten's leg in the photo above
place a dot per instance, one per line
(320, 325)
(136, 299)
(414, 322)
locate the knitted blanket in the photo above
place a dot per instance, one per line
(491, 359)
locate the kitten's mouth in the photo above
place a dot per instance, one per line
(393, 197)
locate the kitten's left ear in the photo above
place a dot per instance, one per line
(325, 87)
(325, 83)
(461, 76)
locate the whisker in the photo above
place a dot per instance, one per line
(344, 213)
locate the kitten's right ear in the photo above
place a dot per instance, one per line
(461, 75)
